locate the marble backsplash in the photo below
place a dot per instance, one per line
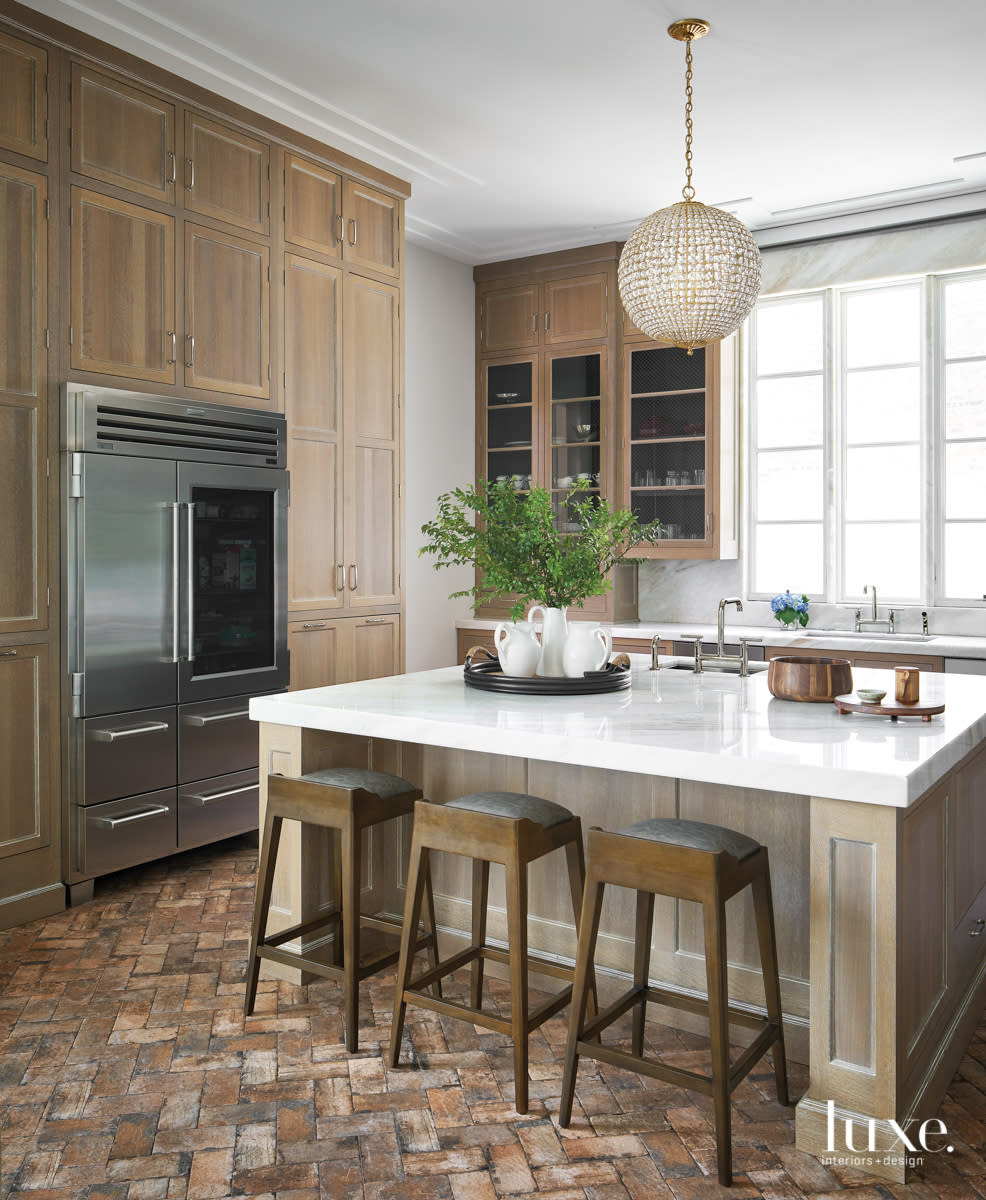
(680, 591)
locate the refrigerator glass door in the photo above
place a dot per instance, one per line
(125, 552)
(235, 578)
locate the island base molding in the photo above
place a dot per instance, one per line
(879, 911)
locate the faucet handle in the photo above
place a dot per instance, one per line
(750, 639)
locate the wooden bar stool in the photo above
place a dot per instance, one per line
(692, 861)
(347, 800)
(512, 829)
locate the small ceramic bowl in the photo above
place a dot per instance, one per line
(870, 695)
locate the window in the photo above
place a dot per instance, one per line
(868, 442)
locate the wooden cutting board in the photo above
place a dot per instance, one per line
(888, 707)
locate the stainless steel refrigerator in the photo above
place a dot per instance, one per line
(175, 536)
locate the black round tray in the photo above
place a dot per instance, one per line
(487, 676)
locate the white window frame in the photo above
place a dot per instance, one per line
(836, 589)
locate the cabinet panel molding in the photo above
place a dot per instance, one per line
(25, 816)
(372, 228)
(23, 280)
(313, 206)
(312, 350)
(23, 97)
(316, 559)
(227, 174)
(23, 540)
(122, 135)
(227, 307)
(123, 288)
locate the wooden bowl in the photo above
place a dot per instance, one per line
(817, 680)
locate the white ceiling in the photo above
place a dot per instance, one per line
(533, 125)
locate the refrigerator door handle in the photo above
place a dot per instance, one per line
(190, 564)
(175, 580)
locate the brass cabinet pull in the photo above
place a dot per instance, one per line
(190, 338)
(534, 322)
(174, 346)
(547, 322)
(191, 175)
(352, 231)
(341, 235)
(353, 577)
(173, 177)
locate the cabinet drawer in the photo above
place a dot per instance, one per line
(122, 833)
(128, 753)
(215, 737)
(218, 808)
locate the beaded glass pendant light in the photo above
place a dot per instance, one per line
(689, 274)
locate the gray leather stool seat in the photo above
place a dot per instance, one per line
(346, 801)
(689, 860)
(515, 806)
(696, 835)
(512, 829)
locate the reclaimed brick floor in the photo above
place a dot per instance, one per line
(127, 1073)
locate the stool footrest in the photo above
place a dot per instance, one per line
(698, 1004)
(646, 1066)
(478, 1016)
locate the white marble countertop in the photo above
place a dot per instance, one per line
(715, 727)
(940, 645)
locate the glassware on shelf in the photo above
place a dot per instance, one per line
(583, 432)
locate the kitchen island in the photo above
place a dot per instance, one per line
(876, 830)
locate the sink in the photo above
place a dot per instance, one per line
(872, 634)
(724, 668)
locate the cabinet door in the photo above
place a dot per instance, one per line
(321, 654)
(122, 135)
(967, 823)
(312, 405)
(376, 647)
(372, 228)
(508, 319)
(23, 97)
(23, 484)
(227, 174)
(25, 815)
(227, 302)
(669, 462)
(312, 206)
(372, 465)
(576, 309)
(123, 288)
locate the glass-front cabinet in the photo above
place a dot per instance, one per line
(574, 416)
(510, 397)
(670, 445)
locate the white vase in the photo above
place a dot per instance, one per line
(518, 649)
(554, 633)
(587, 648)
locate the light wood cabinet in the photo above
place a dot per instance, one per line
(29, 841)
(342, 375)
(863, 658)
(227, 174)
(122, 135)
(330, 214)
(313, 407)
(123, 289)
(23, 97)
(342, 650)
(551, 313)
(23, 415)
(967, 874)
(371, 458)
(227, 306)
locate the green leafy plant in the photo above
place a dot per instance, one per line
(512, 540)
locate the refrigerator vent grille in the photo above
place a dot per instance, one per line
(169, 434)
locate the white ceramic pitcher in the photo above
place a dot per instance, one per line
(554, 632)
(518, 649)
(587, 648)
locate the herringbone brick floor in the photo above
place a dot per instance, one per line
(127, 1071)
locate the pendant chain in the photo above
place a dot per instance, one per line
(688, 191)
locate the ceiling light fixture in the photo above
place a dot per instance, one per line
(689, 274)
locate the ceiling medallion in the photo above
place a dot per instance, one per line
(689, 274)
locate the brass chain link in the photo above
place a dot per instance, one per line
(688, 191)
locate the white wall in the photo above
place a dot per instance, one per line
(440, 432)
